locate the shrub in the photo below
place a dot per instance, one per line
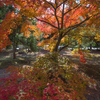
(47, 79)
(82, 54)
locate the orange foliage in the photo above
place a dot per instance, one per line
(55, 17)
(10, 23)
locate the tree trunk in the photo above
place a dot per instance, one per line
(55, 51)
(14, 48)
(57, 44)
(90, 47)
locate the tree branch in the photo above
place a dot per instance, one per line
(56, 3)
(46, 22)
(61, 4)
(57, 16)
(54, 11)
(62, 17)
(71, 9)
(50, 4)
(58, 42)
(63, 47)
(74, 26)
(57, 19)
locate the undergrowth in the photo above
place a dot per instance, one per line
(51, 77)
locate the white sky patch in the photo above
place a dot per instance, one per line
(77, 1)
(51, 1)
(88, 5)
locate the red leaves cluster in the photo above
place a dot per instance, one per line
(52, 92)
(9, 24)
(10, 88)
(82, 58)
(9, 2)
(4, 40)
(5, 31)
(21, 85)
(43, 27)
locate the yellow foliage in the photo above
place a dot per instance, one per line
(85, 52)
(65, 39)
(75, 51)
(97, 37)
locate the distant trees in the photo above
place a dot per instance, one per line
(29, 43)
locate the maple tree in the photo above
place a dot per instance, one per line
(56, 18)
(13, 23)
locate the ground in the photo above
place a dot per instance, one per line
(91, 68)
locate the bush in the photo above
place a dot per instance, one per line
(82, 54)
(47, 79)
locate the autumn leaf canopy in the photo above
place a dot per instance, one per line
(55, 19)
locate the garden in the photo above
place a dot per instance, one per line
(50, 50)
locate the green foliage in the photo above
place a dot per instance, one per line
(29, 42)
(32, 43)
(4, 10)
(76, 51)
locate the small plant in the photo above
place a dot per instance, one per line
(82, 54)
